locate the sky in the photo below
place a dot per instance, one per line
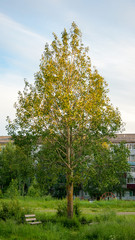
(108, 29)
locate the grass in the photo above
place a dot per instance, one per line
(50, 231)
(98, 221)
(119, 228)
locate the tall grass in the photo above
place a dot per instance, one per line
(103, 225)
(117, 229)
(50, 231)
(108, 227)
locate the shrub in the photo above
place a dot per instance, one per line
(48, 198)
(34, 190)
(77, 210)
(13, 210)
(62, 209)
(12, 190)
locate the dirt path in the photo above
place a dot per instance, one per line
(125, 213)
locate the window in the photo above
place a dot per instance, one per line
(130, 180)
(130, 146)
(133, 146)
(132, 169)
(132, 158)
(131, 193)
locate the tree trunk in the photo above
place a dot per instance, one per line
(120, 195)
(69, 178)
(69, 196)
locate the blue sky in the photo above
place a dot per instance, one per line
(108, 28)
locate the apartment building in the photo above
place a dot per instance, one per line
(4, 140)
(129, 188)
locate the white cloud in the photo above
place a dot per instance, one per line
(20, 41)
(8, 96)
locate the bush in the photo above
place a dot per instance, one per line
(77, 210)
(13, 210)
(48, 198)
(12, 190)
(34, 190)
(62, 209)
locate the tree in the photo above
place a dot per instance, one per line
(107, 170)
(15, 164)
(68, 106)
(47, 174)
(120, 155)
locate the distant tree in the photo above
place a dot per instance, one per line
(47, 174)
(107, 169)
(120, 155)
(15, 164)
(68, 106)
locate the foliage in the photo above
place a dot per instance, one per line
(47, 174)
(1, 194)
(67, 106)
(48, 198)
(62, 209)
(12, 190)
(120, 155)
(77, 209)
(50, 177)
(34, 190)
(107, 170)
(15, 165)
(13, 210)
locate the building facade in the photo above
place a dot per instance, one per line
(4, 140)
(129, 188)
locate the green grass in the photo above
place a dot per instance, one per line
(98, 221)
(49, 231)
(111, 228)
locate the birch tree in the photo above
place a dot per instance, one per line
(67, 105)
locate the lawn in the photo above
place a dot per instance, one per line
(98, 220)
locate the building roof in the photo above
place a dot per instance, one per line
(4, 139)
(127, 137)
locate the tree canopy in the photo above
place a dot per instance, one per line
(107, 169)
(67, 106)
(15, 164)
